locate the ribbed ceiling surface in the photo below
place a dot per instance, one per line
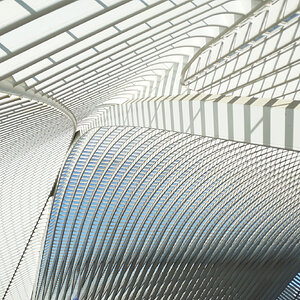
(152, 214)
(61, 60)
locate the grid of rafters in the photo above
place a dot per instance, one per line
(93, 48)
(258, 56)
(60, 58)
(152, 214)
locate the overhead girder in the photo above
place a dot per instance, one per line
(64, 78)
(263, 34)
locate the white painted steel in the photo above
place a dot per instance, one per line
(66, 65)
(246, 119)
(151, 214)
(34, 138)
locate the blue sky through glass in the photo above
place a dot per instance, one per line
(129, 195)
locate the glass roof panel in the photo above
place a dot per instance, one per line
(49, 24)
(121, 11)
(150, 33)
(136, 31)
(145, 15)
(10, 12)
(237, 6)
(38, 51)
(65, 64)
(38, 5)
(31, 81)
(62, 75)
(109, 2)
(33, 68)
(89, 27)
(177, 2)
(80, 45)
(149, 2)
(55, 85)
(94, 60)
(192, 14)
(129, 55)
(166, 16)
